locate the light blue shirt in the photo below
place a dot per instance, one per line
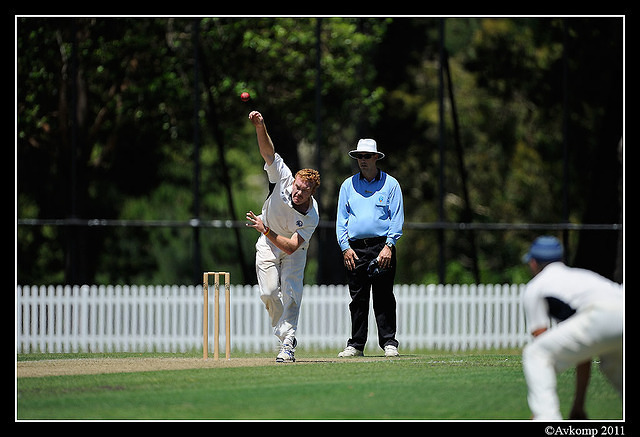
(369, 209)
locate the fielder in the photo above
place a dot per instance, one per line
(287, 222)
(589, 310)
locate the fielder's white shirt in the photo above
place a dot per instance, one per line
(278, 212)
(559, 291)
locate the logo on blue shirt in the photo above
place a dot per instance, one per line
(299, 223)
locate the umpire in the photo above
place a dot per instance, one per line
(369, 223)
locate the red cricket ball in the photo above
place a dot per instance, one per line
(245, 96)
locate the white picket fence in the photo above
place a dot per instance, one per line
(169, 318)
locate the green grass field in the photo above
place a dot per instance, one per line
(474, 386)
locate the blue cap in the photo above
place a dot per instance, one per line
(544, 249)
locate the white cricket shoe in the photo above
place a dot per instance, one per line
(350, 351)
(286, 354)
(391, 351)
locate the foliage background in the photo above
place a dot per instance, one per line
(148, 90)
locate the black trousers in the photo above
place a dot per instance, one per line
(361, 287)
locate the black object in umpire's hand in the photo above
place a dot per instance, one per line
(373, 269)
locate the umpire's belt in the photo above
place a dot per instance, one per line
(366, 242)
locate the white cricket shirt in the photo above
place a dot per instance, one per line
(278, 212)
(559, 291)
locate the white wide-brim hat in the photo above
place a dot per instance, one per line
(366, 145)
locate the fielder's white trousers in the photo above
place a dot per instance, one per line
(593, 332)
(280, 279)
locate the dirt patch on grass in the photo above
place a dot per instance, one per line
(88, 366)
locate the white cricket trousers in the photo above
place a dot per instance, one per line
(593, 332)
(280, 279)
